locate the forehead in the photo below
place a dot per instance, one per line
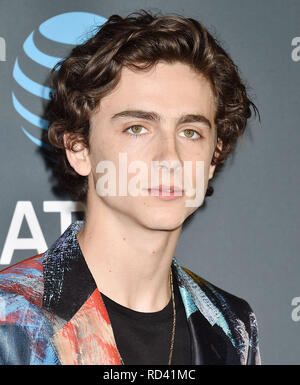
(166, 88)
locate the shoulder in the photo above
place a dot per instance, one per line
(24, 280)
(225, 301)
(24, 328)
(234, 315)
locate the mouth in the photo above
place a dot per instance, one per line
(166, 192)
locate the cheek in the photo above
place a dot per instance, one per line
(103, 143)
(100, 150)
(201, 170)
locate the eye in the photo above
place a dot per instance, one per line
(189, 134)
(136, 130)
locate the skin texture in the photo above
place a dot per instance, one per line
(128, 241)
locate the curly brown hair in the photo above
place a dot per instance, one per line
(138, 42)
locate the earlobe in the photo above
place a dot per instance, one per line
(78, 157)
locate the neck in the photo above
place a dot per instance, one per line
(130, 263)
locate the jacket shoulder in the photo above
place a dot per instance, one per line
(236, 317)
(24, 326)
(24, 279)
(221, 298)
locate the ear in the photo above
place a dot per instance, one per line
(212, 167)
(78, 157)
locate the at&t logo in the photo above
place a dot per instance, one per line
(42, 49)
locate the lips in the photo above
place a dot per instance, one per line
(170, 189)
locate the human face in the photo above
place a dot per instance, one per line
(170, 91)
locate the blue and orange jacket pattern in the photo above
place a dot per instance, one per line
(51, 313)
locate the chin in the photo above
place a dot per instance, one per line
(162, 226)
(162, 222)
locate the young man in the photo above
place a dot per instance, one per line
(110, 291)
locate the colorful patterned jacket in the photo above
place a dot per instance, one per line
(51, 312)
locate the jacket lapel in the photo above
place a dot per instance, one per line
(87, 339)
(82, 332)
(210, 346)
(212, 342)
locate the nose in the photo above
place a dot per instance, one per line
(167, 154)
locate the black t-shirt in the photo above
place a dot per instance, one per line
(145, 338)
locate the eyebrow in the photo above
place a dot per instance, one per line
(153, 116)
